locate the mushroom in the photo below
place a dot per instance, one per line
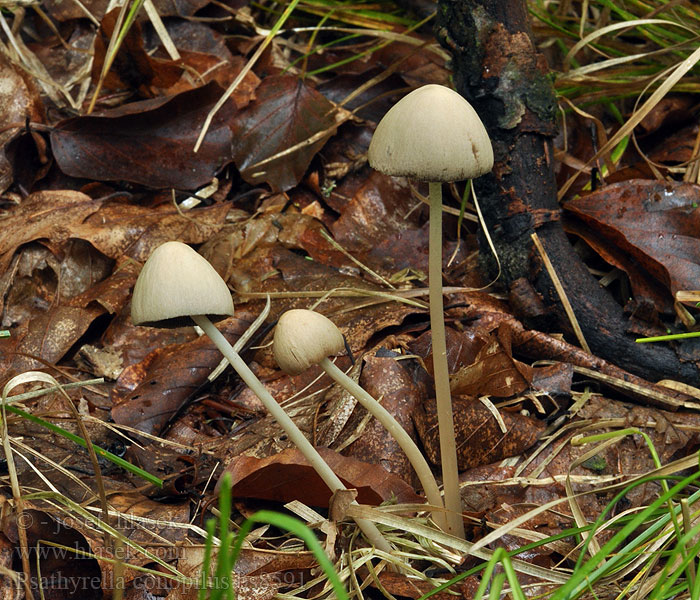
(177, 284)
(304, 338)
(433, 134)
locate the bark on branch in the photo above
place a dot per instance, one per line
(499, 70)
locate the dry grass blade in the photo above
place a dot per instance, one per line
(55, 388)
(244, 71)
(636, 563)
(403, 296)
(22, 56)
(38, 376)
(478, 550)
(392, 36)
(593, 546)
(14, 480)
(494, 411)
(360, 264)
(160, 29)
(655, 397)
(674, 77)
(561, 292)
(688, 296)
(600, 131)
(125, 19)
(615, 27)
(29, 451)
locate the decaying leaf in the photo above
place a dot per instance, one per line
(478, 434)
(288, 476)
(149, 142)
(387, 381)
(55, 570)
(19, 103)
(132, 66)
(32, 220)
(654, 222)
(494, 371)
(277, 135)
(148, 394)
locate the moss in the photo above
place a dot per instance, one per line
(510, 94)
(540, 98)
(519, 93)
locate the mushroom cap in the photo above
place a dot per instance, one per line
(176, 282)
(304, 338)
(431, 134)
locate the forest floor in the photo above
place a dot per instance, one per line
(576, 475)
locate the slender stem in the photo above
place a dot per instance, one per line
(293, 432)
(416, 458)
(448, 449)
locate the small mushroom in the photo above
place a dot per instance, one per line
(177, 284)
(304, 338)
(433, 134)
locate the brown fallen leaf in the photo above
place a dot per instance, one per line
(148, 394)
(418, 65)
(45, 339)
(377, 209)
(649, 296)
(287, 114)
(48, 449)
(135, 231)
(19, 102)
(58, 573)
(32, 221)
(482, 491)
(667, 112)
(149, 143)
(343, 155)
(387, 381)
(672, 434)
(155, 526)
(654, 222)
(277, 269)
(45, 274)
(113, 292)
(494, 371)
(480, 359)
(311, 383)
(258, 574)
(288, 476)
(133, 68)
(64, 11)
(478, 435)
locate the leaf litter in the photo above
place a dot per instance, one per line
(298, 216)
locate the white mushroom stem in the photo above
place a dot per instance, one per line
(448, 448)
(416, 458)
(295, 435)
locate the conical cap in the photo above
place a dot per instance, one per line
(304, 338)
(176, 282)
(431, 134)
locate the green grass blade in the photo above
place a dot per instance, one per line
(120, 462)
(298, 528)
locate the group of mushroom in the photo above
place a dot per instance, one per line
(445, 142)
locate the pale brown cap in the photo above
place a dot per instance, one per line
(176, 282)
(304, 338)
(432, 134)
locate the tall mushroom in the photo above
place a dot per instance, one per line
(304, 338)
(175, 285)
(433, 134)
